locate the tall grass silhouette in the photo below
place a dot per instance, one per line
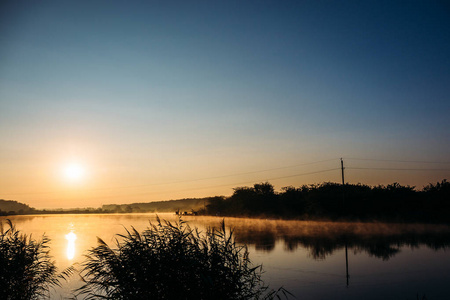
(26, 268)
(173, 261)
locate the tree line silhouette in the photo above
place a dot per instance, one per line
(334, 201)
(327, 200)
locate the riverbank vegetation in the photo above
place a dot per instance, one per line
(11, 208)
(166, 261)
(330, 201)
(182, 205)
(173, 261)
(26, 268)
(334, 201)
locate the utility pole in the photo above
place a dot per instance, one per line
(343, 185)
(343, 206)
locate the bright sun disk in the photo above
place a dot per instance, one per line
(74, 171)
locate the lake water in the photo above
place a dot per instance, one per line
(310, 259)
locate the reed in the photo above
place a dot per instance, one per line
(173, 261)
(26, 269)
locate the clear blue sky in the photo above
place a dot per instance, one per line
(141, 92)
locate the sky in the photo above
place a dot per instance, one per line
(135, 101)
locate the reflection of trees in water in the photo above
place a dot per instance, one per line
(323, 238)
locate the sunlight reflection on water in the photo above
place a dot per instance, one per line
(70, 237)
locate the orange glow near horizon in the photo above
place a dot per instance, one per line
(83, 178)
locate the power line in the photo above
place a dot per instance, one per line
(224, 185)
(400, 161)
(252, 181)
(213, 186)
(310, 173)
(191, 180)
(261, 171)
(232, 175)
(395, 169)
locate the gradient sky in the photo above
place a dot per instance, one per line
(161, 100)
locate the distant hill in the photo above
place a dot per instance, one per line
(160, 206)
(13, 207)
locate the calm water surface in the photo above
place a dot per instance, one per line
(313, 260)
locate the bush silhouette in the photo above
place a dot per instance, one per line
(173, 261)
(26, 269)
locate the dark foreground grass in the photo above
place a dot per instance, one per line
(26, 268)
(173, 261)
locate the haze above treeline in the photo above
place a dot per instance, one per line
(327, 200)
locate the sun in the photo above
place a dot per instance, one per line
(74, 171)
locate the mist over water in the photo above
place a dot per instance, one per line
(306, 257)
